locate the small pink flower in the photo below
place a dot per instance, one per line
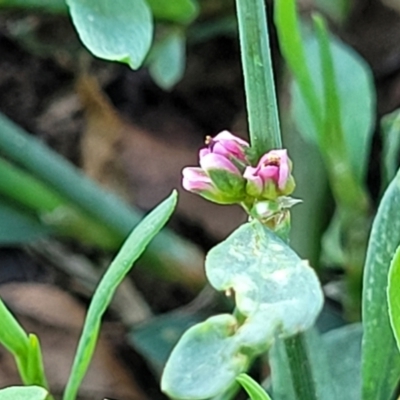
(272, 176)
(220, 177)
(227, 145)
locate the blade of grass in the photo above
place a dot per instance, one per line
(348, 191)
(121, 265)
(292, 48)
(25, 349)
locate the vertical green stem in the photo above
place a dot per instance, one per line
(262, 109)
(265, 134)
(300, 368)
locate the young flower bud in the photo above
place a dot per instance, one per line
(227, 145)
(220, 177)
(272, 176)
(225, 176)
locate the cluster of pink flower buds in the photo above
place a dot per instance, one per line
(225, 175)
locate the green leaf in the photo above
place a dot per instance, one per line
(23, 393)
(12, 335)
(254, 390)
(391, 144)
(17, 226)
(276, 294)
(118, 30)
(121, 265)
(394, 295)
(25, 348)
(270, 281)
(356, 97)
(380, 357)
(167, 60)
(183, 11)
(206, 360)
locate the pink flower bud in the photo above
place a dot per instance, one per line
(220, 177)
(214, 161)
(272, 176)
(195, 180)
(227, 145)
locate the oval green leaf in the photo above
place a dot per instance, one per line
(167, 60)
(23, 393)
(380, 357)
(118, 30)
(270, 281)
(206, 360)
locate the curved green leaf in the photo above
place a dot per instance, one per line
(131, 250)
(254, 390)
(394, 295)
(118, 30)
(380, 358)
(23, 393)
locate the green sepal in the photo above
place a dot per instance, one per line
(231, 185)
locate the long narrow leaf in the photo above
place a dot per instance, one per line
(292, 48)
(394, 295)
(25, 348)
(254, 390)
(121, 265)
(380, 358)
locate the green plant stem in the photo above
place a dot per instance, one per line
(300, 368)
(262, 109)
(265, 134)
(169, 256)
